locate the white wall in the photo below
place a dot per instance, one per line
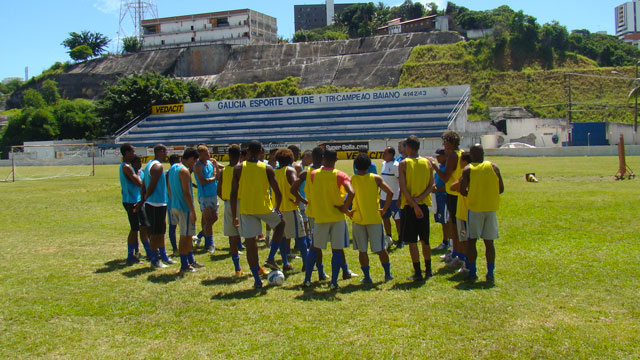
(615, 129)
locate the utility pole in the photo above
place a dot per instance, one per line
(635, 115)
(568, 76)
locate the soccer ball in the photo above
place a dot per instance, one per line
(276, 277)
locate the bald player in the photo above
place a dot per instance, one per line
(482, 185)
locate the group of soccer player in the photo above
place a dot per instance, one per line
(309, 200)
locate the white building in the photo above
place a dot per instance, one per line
(235, 27)
(628, 22)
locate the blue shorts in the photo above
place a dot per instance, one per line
(393, 210)
(441, 207)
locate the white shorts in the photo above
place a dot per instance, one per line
(229, 229)
(482, 225)
(373, 234)
(182, 219)
(335, 233)
(294, 227)
(303, 212)
(251, 225)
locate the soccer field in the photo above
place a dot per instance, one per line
(567, 282)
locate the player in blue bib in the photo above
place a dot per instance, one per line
(130, 184)
(205, 172)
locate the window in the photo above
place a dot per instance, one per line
(193, 39)
(191, 27)
(162, 42)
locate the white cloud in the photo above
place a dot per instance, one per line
(107, 6)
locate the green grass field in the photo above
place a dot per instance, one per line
(567, 283)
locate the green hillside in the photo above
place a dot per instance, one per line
(598, 93)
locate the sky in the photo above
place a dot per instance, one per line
(32, 30)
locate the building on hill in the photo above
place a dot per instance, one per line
(235, 27)
(309, 17)
(423, 24)
(627, 18)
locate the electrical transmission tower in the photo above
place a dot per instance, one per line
(132, 12)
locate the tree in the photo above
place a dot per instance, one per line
(95, 41)
(33, 99)
(49, 91)
(131, 44)
(524, 38)
(134, 95)
(77, 119)
(80, 53)
(358, 19)
(408, 10)
(40, 125)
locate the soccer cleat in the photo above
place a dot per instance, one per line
(262, 271)
(415, 277)
(441, 247)
(471, 277)
(187, 270)
(333, 286)
(240, 252)
(293, 257)
(175, 254)
(287, 267)
(348, 275)
(388, 278)
(158, 265)
(271, 264)
(257, 285)
(196, 240)
(454, 264)
(463, 270)
(366, 281)
(238, 273)
(388, 241)
(428, 274)
(211, 249)
(169, 261)
(400, 245)
(197, 265)
(490, 278)
(306, 284)
(322, 277)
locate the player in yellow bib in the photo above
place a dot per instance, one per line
(415, 175)
(368, 228)
(462, 208)
(330, 186)
(451, 174)
(252, 179)
(482, 184)
(301, 189)
(224, 192)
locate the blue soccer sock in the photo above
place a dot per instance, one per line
(455, 254)
(301, 244)
(184, 262)
(208, 241)
(153, 256)
(345, 267)
(365, 271)
(275, 245)
(137, 249)
(147, 248)
(131, 251)
(490, 267)
(200, 235)
(236, 261)
(172, 238)
(311, 261)
(321, 273)
(256, 275)
(473, 270)
(284, 252)
(336, 264)
(387, 269)
(192, 260)
(163, 254)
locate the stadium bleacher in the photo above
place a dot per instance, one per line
(223, 122)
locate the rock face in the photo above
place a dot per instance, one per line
(368, 62)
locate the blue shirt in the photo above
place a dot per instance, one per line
(211, 189)
(177, 196)
(159, 195)
(130, 191)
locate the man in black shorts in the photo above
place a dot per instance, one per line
(415, 176)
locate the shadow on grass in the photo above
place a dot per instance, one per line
(219, 255)
(224, 280)
(408, 285)
(242, 294)
(350, 288)
(445, 271)
(310, 294)
(164, 278)
(457, 277)
(475, 285)
(137, 272)
(112, 265)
